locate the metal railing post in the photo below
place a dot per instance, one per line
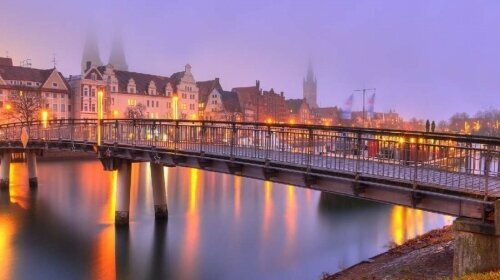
(176, 140)
(310, 147)
(233, 135)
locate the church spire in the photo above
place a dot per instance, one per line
(117, 56)
(310, 87)
(91, 51)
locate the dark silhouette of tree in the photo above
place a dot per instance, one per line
(24, 106)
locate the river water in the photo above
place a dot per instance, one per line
(220, 227)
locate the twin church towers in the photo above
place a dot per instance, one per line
(119, 62)
(91, 53)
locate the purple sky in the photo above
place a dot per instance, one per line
(427, 59)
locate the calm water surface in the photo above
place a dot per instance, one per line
(220, 227)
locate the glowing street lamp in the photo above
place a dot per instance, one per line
(100, 115)
(175, 106)
(45, 117)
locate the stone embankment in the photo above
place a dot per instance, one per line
(429, 256)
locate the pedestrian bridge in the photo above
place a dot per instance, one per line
(452, 174)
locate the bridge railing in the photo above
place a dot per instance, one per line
(457, 162)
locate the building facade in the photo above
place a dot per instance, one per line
(299, 112)
(48, 84)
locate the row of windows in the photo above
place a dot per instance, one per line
(185, 96)
(54, 95)
(86, 92)
(184, 106)
(153, 104)
(56, 107)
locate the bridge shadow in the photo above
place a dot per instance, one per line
(158, 263)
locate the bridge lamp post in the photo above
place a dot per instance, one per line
(45, 117)
(100, 115)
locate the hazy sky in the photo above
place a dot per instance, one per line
(427, 59)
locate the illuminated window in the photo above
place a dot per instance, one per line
(184, 106)
(54, 85)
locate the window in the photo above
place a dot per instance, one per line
(168, 105)
(92, 92)
(85, 91)
(191, 96)
(63, 108)
(93, 107)
(157, 104)
(112, 101)
(47, 106)
(131, 102)
(69, 108)
(85, 107)
(184, 95)
(54, 95)
(184, 106)
(131, 90)
(168, 93)
(191, 106)
(54, 85)
(29, 83)
(93, 76)
(54, 107)
(147, 103)
(114, 89)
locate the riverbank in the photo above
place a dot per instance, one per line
(429, 256)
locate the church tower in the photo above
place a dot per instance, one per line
(117, 56)
(309, 88)
(90, 51)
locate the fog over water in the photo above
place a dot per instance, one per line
(427, 59)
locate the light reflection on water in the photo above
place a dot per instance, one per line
(220, 227)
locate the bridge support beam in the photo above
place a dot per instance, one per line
(159, 191)
(477, 246)
(4, 178)
(123, 192)
(32, 169)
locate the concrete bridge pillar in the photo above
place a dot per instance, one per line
(123, 192)
(159, 191)
(477, 245)
(4, 178)
(32, 169)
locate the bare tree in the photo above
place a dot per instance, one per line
(136, 112)
(24, 106)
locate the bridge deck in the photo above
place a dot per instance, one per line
(464, 167)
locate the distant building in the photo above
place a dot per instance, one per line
(328, 116)
(47, 83)
(299, 112)
(250, 102)
(310, 88)
(274, 107)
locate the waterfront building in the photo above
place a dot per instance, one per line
(250, 102)
(327, 116)
(49, 84)
(217, 104)
(274, 107)
(299, 112)
(85, 89)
